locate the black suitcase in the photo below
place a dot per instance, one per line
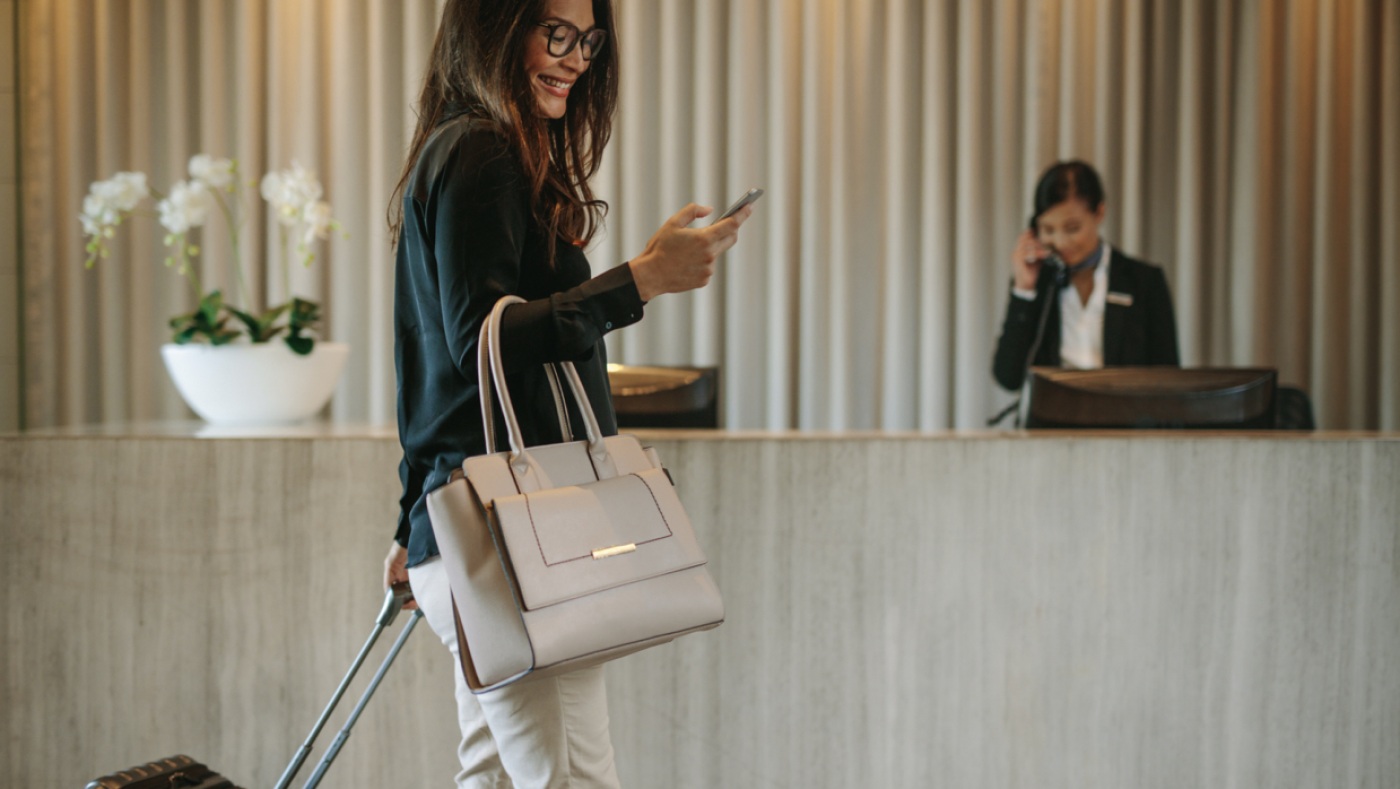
(182, 772)
(176, 772)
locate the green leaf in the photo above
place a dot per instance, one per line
(261, 328)
(209, 320)
(274, 313)
(255, 328)
(209, 307)
(305, 315)
(301, 345)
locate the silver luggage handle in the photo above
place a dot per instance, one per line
(395, 598)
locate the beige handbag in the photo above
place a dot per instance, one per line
(567, 555)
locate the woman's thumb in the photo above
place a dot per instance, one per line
(689, 214)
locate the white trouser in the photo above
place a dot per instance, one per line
(549, 733)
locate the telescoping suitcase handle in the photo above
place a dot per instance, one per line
(394, 600)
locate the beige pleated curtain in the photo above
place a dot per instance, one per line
(1251, 147)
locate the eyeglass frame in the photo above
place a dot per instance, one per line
(588, 53)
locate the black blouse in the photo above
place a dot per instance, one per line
(469, 238)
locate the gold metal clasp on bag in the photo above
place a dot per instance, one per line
(616, 550)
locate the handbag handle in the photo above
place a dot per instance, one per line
(489, 345)
(561, 412)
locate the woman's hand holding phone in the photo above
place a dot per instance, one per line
(679, 258)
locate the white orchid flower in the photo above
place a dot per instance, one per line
(107, 200)
(186, 207)
(294, 194)
(213, 173)
(271, 189)
(120, 193)
(98, 213)
(124, 191)
(290, 191)
(317, 222)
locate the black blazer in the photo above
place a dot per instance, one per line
(1143, 333)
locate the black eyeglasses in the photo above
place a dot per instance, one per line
(563, 37)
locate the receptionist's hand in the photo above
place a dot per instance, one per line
(1026, 261)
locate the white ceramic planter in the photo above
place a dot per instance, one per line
(259, 384)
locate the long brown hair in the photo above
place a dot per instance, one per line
(477, 67)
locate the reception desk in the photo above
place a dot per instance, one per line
(946, 610)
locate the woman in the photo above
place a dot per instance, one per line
(1105, 308)
(494, 199)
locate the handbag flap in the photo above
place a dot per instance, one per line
(575, 540)
(492, 476)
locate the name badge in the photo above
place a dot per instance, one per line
(1121, 299)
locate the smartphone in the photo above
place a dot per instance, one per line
(749, 197)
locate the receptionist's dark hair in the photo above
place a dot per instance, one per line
(1065, 181)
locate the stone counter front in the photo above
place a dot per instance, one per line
(1045, 609)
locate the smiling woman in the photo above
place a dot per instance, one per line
(494, 201)
(554, 61)
(551, 64)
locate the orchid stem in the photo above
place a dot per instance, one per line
(286, 268)
(233, 225)
(189, 270)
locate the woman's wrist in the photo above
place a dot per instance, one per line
(641, 277)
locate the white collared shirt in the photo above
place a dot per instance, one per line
(1081, 324)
